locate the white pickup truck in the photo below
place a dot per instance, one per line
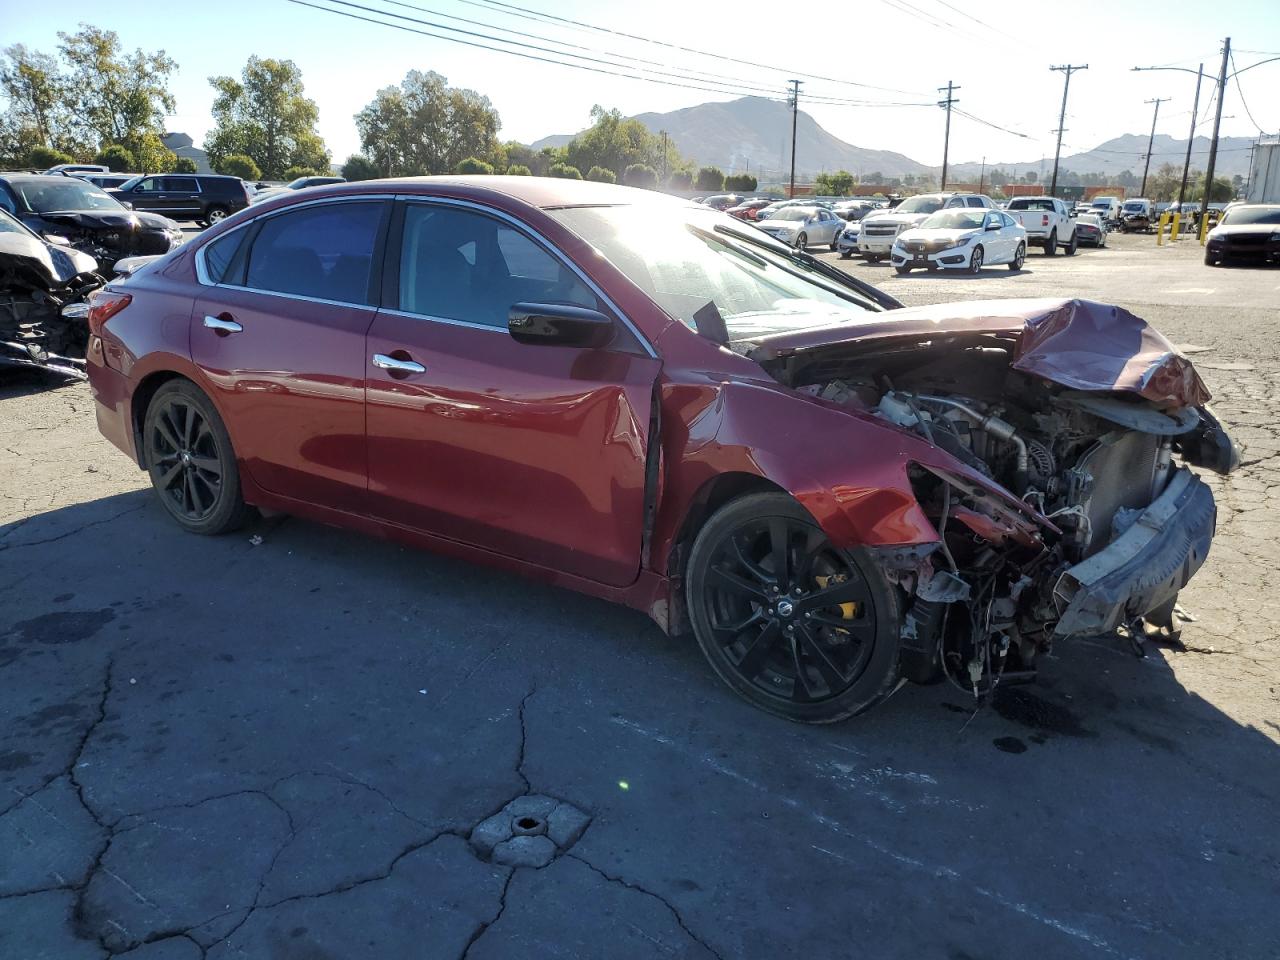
(1050, 223)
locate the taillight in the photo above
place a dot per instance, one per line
(1044, 220)
(103, 305)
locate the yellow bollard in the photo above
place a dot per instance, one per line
(1204, 228)
(1160, 225)
(1177, 226)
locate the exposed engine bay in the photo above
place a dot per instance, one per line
(43, 292)
(1074, 516)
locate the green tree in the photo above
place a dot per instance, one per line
(37, 112)
(1124, 178)
(741, 183)
(680, 180)
(294, 172)
(151, 155)
(602, 175)
(1221, 192)
(838, 184)
(519, 170)
(266, 115)
(116, 97)
(238, 165)
(45, 157)
(185, 165)
(615, 143)
(115, 158)
(517, 154)
(565, 172)
(474, 165)
(424, 126)
(710, 179)
(360, 167)
(640, 175)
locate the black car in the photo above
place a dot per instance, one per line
(1249, 232)
(108, 181)
(71, 212)
(203, 197)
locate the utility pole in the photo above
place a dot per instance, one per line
(795, 112)
(1142, 191)
(1068, 69)
(946, 140)
(1213, 144)
(982, 176)
(1191, 137)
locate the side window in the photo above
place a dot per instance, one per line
(325, 251)
(975, 202)
(149, 185)
(463, 265)
(1007, 220)
(6, 201)
(219, 254)
(181, 184)
(956, 202)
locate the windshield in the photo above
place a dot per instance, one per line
(1243, 215)
(1101, 204)
(700, 276)
(955, 220)
(1135, 206)
(48, 196)
(1031, 205)
(793, 213)
(297, 184)
(919, 205)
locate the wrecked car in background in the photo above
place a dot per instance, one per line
(649, 401)
(43, 291)
(74, 213)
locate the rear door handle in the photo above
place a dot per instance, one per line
(382, 361)
(222, 326)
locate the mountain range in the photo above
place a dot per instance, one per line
(753, 135)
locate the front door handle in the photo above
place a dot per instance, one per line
(382, 361)
(223, 327)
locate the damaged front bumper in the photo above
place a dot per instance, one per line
(1142, 568)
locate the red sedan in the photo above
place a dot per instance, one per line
(642, 399)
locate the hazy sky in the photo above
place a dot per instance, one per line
(910, 46)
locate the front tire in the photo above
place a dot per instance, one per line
(802, 240)
(792, 624)
(975, 260)
(902, 271)
(1019, 258)
(191, 462)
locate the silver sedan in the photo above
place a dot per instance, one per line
(802, 227)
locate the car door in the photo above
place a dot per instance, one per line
(533, 452)
(147, 194)
(278, 332)
(996, 241)
(180, 197)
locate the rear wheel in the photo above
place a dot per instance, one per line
(1051, 247)
(794, 625)
(1073, 245)
(216, 215)
(1019, 257)
(192, 465)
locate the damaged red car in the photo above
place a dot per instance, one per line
(642, 399)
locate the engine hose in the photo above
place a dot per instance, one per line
(1000, 429)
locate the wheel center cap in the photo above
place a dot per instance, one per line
(785, 608)
(186, 458)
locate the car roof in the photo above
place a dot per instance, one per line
(543, 192)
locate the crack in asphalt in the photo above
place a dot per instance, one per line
(70, 533)
(524, 740)
(657, 896)
(481, 930)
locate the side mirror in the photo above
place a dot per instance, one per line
(993, 226)
(557, 324)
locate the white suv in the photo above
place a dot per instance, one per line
(881, 228)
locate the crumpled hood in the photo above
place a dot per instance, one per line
(43, 266)
(1079, 344)
(93, 219)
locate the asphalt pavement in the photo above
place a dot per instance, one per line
(279, 743)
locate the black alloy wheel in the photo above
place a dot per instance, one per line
(189, 457)
(802, 241)
(793, 624)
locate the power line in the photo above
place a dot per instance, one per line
(1240, 90)
(517, 10)
(994, 126)
(970, 16)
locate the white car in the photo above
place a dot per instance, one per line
(961, 239)
(802, 227)
(880, 228)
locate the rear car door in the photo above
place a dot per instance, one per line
(180, 197)
(533, 452)
(278, 330)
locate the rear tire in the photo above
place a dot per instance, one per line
(757, 567)
(191, 462)
(1073, 245)
(1019, 258)
(1051, 246)
(216, 214)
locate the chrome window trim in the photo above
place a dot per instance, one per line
(449, 320)
(541, 241)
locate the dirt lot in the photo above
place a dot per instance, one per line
(227, 748)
